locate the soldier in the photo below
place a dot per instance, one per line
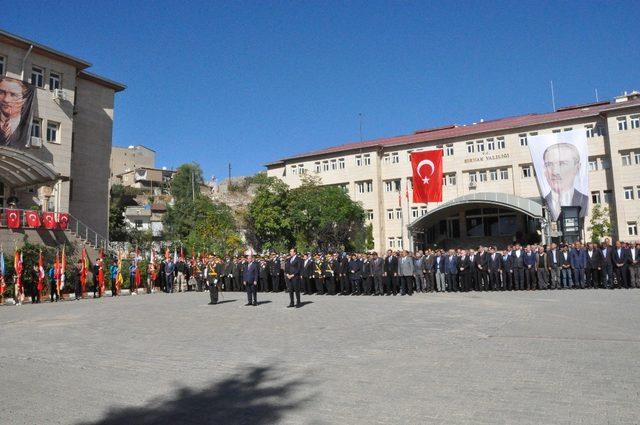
(264, 275)
(318, 274)
(211, 275)
(331, 265)
(274, 272)
(344, 275)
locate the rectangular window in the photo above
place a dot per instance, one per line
(389, 214)
(635, 121)
(483, 176)
(595, 197)
(301, 169)
(423, 211)
(341, 165)
(53, 128)
(589, 130)
(493, 175)
(334, 164)
(593, 164)
(391, 185)
(294, 168)
(470, 147)
(626, 159)
(391, 242)
(448, 151)
(523, 139)
(608, 196)
(369, 215)
(628, 193)
(504, 174)
(473, 177)
(364, 186)
(36, 127)
(317, 165)
(527, 171)
(632, 228)
(622, 123)
(567, 129)
(366, 159)
(400, 243)
(479, 145)
(491, 144)
(386, 158)
(415, 213)
(358, 160)
(395, 158)
(636, 157)
(451, 179)
(325, 165)
(501, 143)
(54, 80)
(557, 130)
(398, 213)
(37, 76)
(638, 191)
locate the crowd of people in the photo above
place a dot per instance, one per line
(515, 268)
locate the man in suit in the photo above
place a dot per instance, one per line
(250, 279)
(620, 258)
(274, 272)
(578, 264)
(542, 268)
(391, 273)
(566, 274)
(377, 270)
(355, 274)
(367, 275)
(507, 270)
(529, 261)
(344, 275)
(480, 269)
(451, 268)
(439, 271)
(634, 266)
(553, 265)
(293, 272)
(307, 274)
(494, 266)
(405, 272)
(517, 265)
(169, 272)
(419, 272)
(15, 109)
(561, 167)
(429, 274)
(464, 270)
(595, 262)
(329, 269)
(607, 269)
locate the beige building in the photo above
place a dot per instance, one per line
(66, 165)
(128, 159)
(156, 181)
(490, 193)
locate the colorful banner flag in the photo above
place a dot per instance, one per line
(427, 176)
(3, 285)
(17, 112)
(17, 266)
(85, 269)
(41, 274)
(63, 268)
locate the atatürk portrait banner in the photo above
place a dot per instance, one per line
(16, 102)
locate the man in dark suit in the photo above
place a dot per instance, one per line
(507, 270)
(355, 274)
(307, 274)
(367, 274)
(620, 258)
(494, 266)
(480, 269)
(451, 269)
(595, 263)
(566, 273)
(579, 263)
(607, 269)
(634, 266)
(344, 275)
(529, 269)
(464, 270)
(250, 279)
(293, 272)
(377, 270)
(553, 263)
(391, 273)
(517, 265)
(542, 268)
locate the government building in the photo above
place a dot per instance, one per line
(61, 163)
(490, 191)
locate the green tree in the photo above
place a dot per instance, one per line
(121, 198)
(186, 182)
(600, 224)
(267, 217)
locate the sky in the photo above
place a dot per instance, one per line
(249, 82)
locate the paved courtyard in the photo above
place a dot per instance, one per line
(561, 357)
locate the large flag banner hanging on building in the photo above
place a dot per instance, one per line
(427, 176)
(16, 102)
(560, 161)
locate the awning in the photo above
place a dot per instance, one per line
(19, 168)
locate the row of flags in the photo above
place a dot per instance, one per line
(59, 268)
(48, 220)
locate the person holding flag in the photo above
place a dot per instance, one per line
(18, 289)
(63, 269)
(116, 276)
(152, 272)
(101, 273)
(56, 275)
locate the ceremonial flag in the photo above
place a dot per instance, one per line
(427, 176)
(33, 218)
(3, 286)
(85, 269)
(49, 220)
(13, 219)
(17, 265)
(119, 278)
(63, 221)
(175, 255)
(40, 272)
(56, 272)
(138, 275)
(101, 271)
(63, 268)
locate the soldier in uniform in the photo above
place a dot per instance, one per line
(318, 274)
(330, 266)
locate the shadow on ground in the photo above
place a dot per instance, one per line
(257, 396)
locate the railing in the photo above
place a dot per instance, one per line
(75, 226)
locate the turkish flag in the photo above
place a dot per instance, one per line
(49, 219)
(427, 176)
(33, 219)
(63, 220)
(13, 219)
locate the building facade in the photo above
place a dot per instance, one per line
(490, 193)
(128, 159)
(65, 167)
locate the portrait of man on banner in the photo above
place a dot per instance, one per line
(560, 161)
(16, 100)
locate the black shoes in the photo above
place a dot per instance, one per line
(290, 306)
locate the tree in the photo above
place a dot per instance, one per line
(600, 223)
(267, 218)
(186, 182)
(121, 198)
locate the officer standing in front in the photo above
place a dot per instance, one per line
(250, 278)
(293, 270)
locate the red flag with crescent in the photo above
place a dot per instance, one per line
(13, 219)
(49, 220)
(33, 218)
(427, 176)
(63, 220)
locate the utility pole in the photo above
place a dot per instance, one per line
(229, 173)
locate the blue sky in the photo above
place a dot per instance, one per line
(251, 82)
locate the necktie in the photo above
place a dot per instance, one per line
(6, 128)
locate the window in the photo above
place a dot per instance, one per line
(1, 71)
(608, 196)
(504, 174)
(480, 145)
(470, 147)
(358, 160)
(606, 163)
(341, 164)
(54, 80)
(36, 127)
(334, 164)
(448, 151)
(414, 212)
(557, 130)
(567, 129)
(391, 185)
(523, 139)
(138, 224)
(398, 213)
(483, 176)
(493, 175)
(638, 191)
(301, 169)
(366, 159)
(491, 144)
(386, 158)
(294, 168)
(53, 128)
(325, 165)
(395, 158)
(37, 76)
(595, 197)
(635, 121)
(317, 165)
(400, 243)
(364, 186)
(423, 211)
(593, 164)
(622, 123)
(391, 242)
(369, 215)
(628, 193)
(389, 214)
(473, 177)
(632, 228)
(589, 130)
(636, 157)
(626, 159)
(527, 171)
(451, 179)
(501, 143)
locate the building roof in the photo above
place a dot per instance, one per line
(452, 131)
(135, 146)
(145, 168)
(115, 86)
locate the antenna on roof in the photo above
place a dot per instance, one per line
(553, 97)
(360, 118)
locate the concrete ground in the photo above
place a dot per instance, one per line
(557, 357)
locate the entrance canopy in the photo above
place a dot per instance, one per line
(19, 168)
(523, 205)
